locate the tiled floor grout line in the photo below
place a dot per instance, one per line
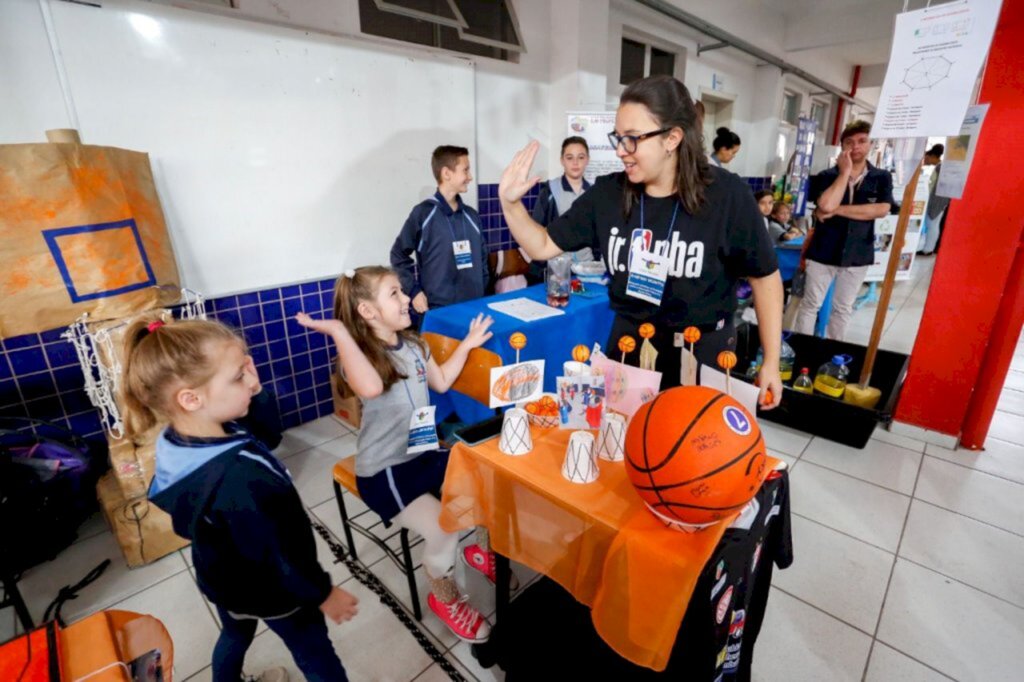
(962, 582)
(980, 471)
(857, 478)
(842, 532)
(892, 571)
(967, 516)
(820, 609)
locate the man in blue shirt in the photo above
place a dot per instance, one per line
(848, 198)
(446, 238)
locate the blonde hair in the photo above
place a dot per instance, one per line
(158, 358)
(362, 284)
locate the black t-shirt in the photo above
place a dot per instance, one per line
(842, 241)
(708, 252)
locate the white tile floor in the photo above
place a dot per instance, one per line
(907, 566)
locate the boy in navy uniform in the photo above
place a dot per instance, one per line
(446, 238)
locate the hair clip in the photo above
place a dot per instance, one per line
(350, 273)
(154, 325)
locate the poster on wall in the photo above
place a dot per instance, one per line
(800, 168)
(885, 229)
(594, 126)
(960, 153)
(936, 55)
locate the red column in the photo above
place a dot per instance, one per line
(974, 270)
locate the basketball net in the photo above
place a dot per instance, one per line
(101, 368)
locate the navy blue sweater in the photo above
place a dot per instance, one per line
(252, 544)
(429, 232)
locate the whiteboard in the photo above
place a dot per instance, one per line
(279, 155)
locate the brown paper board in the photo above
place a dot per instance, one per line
(142, 530)
(82, 231)
(346, 403)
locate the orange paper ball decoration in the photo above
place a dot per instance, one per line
(691, 335)
(694, 455)
(517, 341)
(581, 353)
(627, 344)
(646, 330)
(727, 359)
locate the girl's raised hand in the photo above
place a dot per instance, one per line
(478, 334)
(331, 327)
(516, 181)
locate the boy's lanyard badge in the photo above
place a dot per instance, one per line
(648, 269)
(461, 248)
(422, 428)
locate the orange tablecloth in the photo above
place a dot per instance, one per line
(598, 541)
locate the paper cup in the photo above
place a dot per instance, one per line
(572, 368)
(611, 439)
(515, 433)
(580, 464)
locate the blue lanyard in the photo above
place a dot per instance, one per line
(671, 225)
(451, 226)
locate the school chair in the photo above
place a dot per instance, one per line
(474, 382)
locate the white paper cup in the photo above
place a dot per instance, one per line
(515, 433)
(611, 439)
(580, 465)
(572, 368)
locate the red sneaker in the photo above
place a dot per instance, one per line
(479, 559)
(462, 619)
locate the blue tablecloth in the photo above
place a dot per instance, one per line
(587, 319)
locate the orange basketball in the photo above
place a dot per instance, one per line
(691, 335)
(627, 344)
(646, 330)
(726, 359)
(517, 341)
(581, 353)
(694, 455)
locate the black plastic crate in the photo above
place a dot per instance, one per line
(820, 415)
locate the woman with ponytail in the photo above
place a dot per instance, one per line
(676, 234)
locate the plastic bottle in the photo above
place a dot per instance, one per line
(831, 377)
(787, 357)
(803, 382)
(755, 366)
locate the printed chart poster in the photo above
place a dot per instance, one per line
(937, 53)
(885, 229)
(960, 153)
(594, 127)
(626, 387)
(800, 173)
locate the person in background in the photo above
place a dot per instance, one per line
(780, 224)
(726, 146)
(558, 194)
(445, 235)
(936, 213)
(849, 198)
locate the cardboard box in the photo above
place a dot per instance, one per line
(347, 405)
(142, 530)
(133, 462)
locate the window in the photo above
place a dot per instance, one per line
(639, 60)
(485, 28)
(790, 107)
(819, 112)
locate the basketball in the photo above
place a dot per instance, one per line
(627, 344)
(694, 455)
(726, 359)
(646, 330)
(517, 341)
(691, 335)
(581, 353)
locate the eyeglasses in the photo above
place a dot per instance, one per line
(629, 142)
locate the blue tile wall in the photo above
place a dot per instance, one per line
(40, 376)
(758, 184)
(496, 231)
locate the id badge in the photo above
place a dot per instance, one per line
(647, 277)
(463, 254)
(422, 431)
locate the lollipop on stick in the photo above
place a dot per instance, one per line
(517, 341)
(581, 353)
(648, 354)
(627, 344)
(691, 335)
(727, 360)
